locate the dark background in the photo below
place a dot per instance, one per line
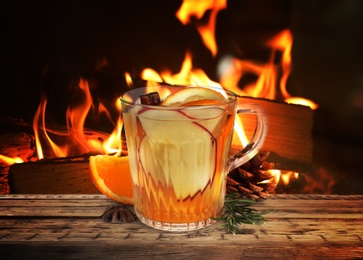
(48, 45)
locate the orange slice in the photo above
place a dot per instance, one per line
(111, 176)
(202, 102)
(192, 94)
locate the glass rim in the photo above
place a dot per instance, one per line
(232, 97)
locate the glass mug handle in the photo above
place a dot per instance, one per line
(257, 139)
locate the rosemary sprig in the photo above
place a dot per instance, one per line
(237, 211)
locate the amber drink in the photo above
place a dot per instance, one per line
(179, 157)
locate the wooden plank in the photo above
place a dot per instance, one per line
(317, 206)
(52, 177)
(76, 211)
(303, 226)
(289, 129)
(282, 230)
(119, 251)
(137, 233)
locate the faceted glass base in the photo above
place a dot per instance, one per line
(175, 227)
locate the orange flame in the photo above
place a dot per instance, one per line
(207, 31)
(283, 42)
(9, 160)
(76, 139)
(113, 145)
(187, 75)
(232, 69)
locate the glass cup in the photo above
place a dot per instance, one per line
(180, 156)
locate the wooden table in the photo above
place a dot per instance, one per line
(69, 226)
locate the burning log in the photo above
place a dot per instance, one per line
(289, 134)
(52, 176)
(15, 145)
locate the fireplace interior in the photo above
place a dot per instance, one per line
(47, 47)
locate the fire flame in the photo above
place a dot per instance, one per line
(233, 69)
(10, 160)
(284, 176)
(187, 75)
(190, 9)
(230, 71)
(76, 139)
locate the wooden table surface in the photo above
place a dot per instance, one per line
(70, 227)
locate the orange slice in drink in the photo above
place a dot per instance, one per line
(111, 176)
(202, 102)
(194, 96)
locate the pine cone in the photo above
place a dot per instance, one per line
(246, 179)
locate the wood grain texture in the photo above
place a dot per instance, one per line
(52, 177)
(69, 226)
(289, 129)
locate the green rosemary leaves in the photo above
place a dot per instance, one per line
(237, 211)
